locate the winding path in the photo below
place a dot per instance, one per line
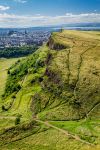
(76, 137)
(7, 117)
(79, 68)
(96, 105)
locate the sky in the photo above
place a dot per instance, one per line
(30, 13)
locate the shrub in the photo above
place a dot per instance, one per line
(12, 87)
(3, 108)
(8, 72)
(39, 63)
(17, 120)
(40, 79)
(14, 96)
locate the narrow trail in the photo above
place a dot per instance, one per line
(79, 68)
(28, 105)
(12, 103)
(21, 93)
(67, 133)
(7, 117)
(76, 137)
(3, 70)
(68, 65)
(92, 109)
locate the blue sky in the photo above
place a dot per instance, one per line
(24, 13)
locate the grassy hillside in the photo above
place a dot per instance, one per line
(59, 87)
(4, 65)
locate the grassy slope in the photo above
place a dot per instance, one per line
(59, 85)
(79, 72)
(48, 140)
(4, 65)
(21, 105)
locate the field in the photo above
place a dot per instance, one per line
(55, 92)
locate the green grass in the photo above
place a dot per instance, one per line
(20, 104)
(6, 122)
(69, 78)
(56, 85)
(77, 72)
(4, 65)
(86, 129)
(48, 140)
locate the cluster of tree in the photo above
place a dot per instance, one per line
(17, 72)
(17, 51)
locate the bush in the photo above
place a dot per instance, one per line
(3, 108)
(14, 96)
(8, 72)
(17, 120)
(39, 63)
(40, 79)
(11, 87)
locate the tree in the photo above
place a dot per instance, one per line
(17, 120)
(3, 108)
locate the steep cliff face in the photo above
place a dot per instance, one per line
(53, 92)
(54, 45)
(60, 81)
(70, 88)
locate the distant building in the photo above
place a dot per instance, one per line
(17, 39)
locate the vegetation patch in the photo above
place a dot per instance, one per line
(58, 83)
(17, 52)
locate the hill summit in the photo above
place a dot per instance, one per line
(60, 81)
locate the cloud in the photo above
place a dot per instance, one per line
(3, 8)
(21, 1)
(11, 20)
